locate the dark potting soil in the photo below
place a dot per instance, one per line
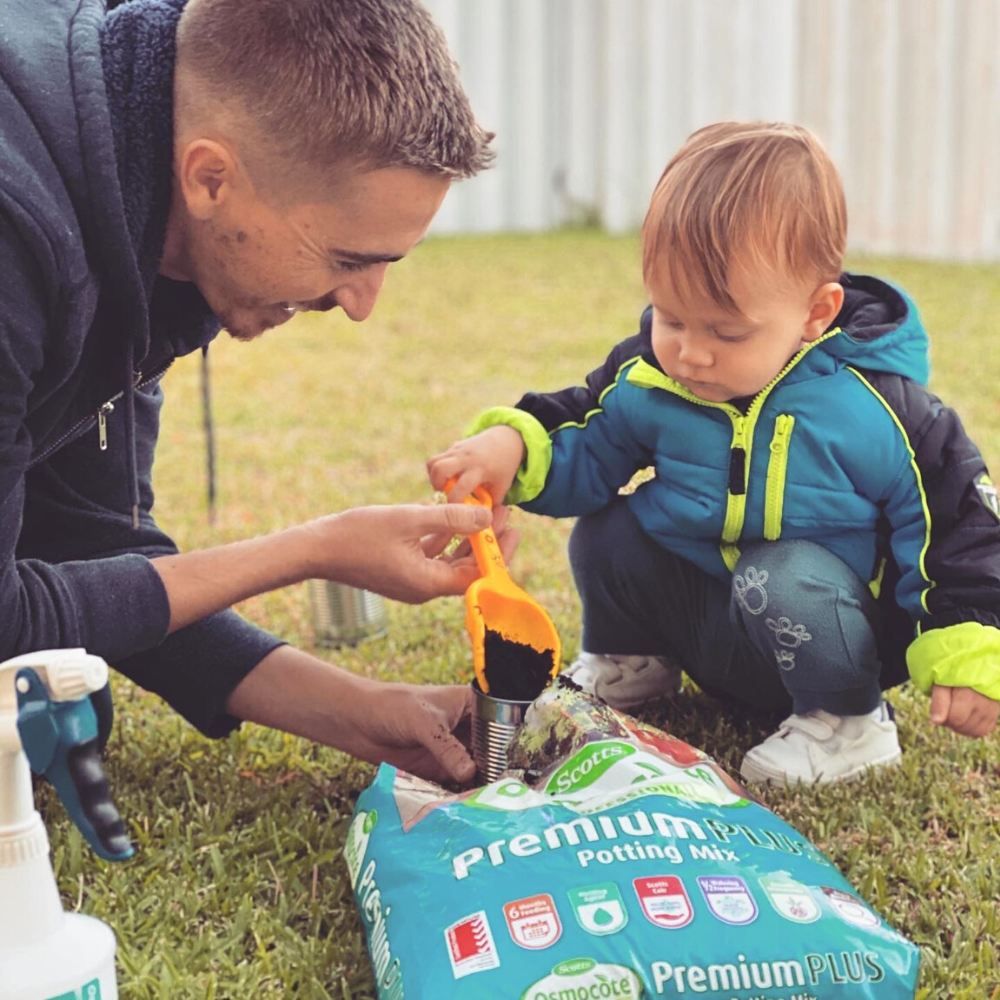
(515, 671)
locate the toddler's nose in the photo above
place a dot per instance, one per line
(690, 351)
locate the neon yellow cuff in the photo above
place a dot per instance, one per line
(530, 478)
(963, 655)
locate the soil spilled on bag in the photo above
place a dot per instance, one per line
(515, 671)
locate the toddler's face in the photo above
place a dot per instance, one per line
(719, 355)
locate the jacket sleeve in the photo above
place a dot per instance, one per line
(44, 604)
(945, 523)
(73, 571)
(579, 448)
(77, 519)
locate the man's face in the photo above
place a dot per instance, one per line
(719, 355)
(258, 263)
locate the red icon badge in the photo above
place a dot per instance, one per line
(664, 900)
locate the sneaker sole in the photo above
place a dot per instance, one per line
(755, 774)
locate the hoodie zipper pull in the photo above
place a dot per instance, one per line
(102, 424)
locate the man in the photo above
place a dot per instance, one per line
(166, 170)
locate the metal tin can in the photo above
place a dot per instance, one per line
(494, 722)
(344, 615)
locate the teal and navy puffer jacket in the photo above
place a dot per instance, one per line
(845, 448)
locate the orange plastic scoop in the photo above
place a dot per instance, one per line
(515, 646)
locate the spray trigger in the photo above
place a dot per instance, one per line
(60, 741)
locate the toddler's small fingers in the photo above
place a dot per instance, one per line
(501, 519)
(972, 728)
(509, 540)
(983, 721)
(940, 704)
(438, 471)
(961, 716)
(465, 483)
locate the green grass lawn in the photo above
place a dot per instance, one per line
(238, 888)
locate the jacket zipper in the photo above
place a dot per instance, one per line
(777, 470)
(736, 492)
(102, 424)
(740, 448)
(100, 416)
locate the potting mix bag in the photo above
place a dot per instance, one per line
(611, 861)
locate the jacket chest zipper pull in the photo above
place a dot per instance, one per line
(102, 425)
(737, 471)
(738, 459)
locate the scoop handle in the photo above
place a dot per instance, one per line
(485, 547)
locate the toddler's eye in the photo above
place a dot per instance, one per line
(729, 338)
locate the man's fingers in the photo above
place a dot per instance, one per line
(459, 576)
(463, 551)
(434, 545)
(940, 704)
(450, 753)
(439, 577)
(455, 519)
(455, 759)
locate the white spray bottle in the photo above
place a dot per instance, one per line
(48, 724)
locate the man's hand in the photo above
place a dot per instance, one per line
(397, 551)
(966, 711)
(420, 728)
(490, 458)
(423, 729)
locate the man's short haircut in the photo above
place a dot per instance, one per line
(749, 194)
(324, 83)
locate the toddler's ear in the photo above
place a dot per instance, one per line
(824, 305)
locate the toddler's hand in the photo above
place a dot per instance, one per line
(490, 458)
(966, 711)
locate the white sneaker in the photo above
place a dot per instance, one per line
(819, 748)
(624, 681)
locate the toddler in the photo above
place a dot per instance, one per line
(818, 525)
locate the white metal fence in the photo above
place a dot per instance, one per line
(590, 97)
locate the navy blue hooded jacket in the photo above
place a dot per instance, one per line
(86, 330)
(845, 448)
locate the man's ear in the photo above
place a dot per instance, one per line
(207, 171)
(824, 305)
